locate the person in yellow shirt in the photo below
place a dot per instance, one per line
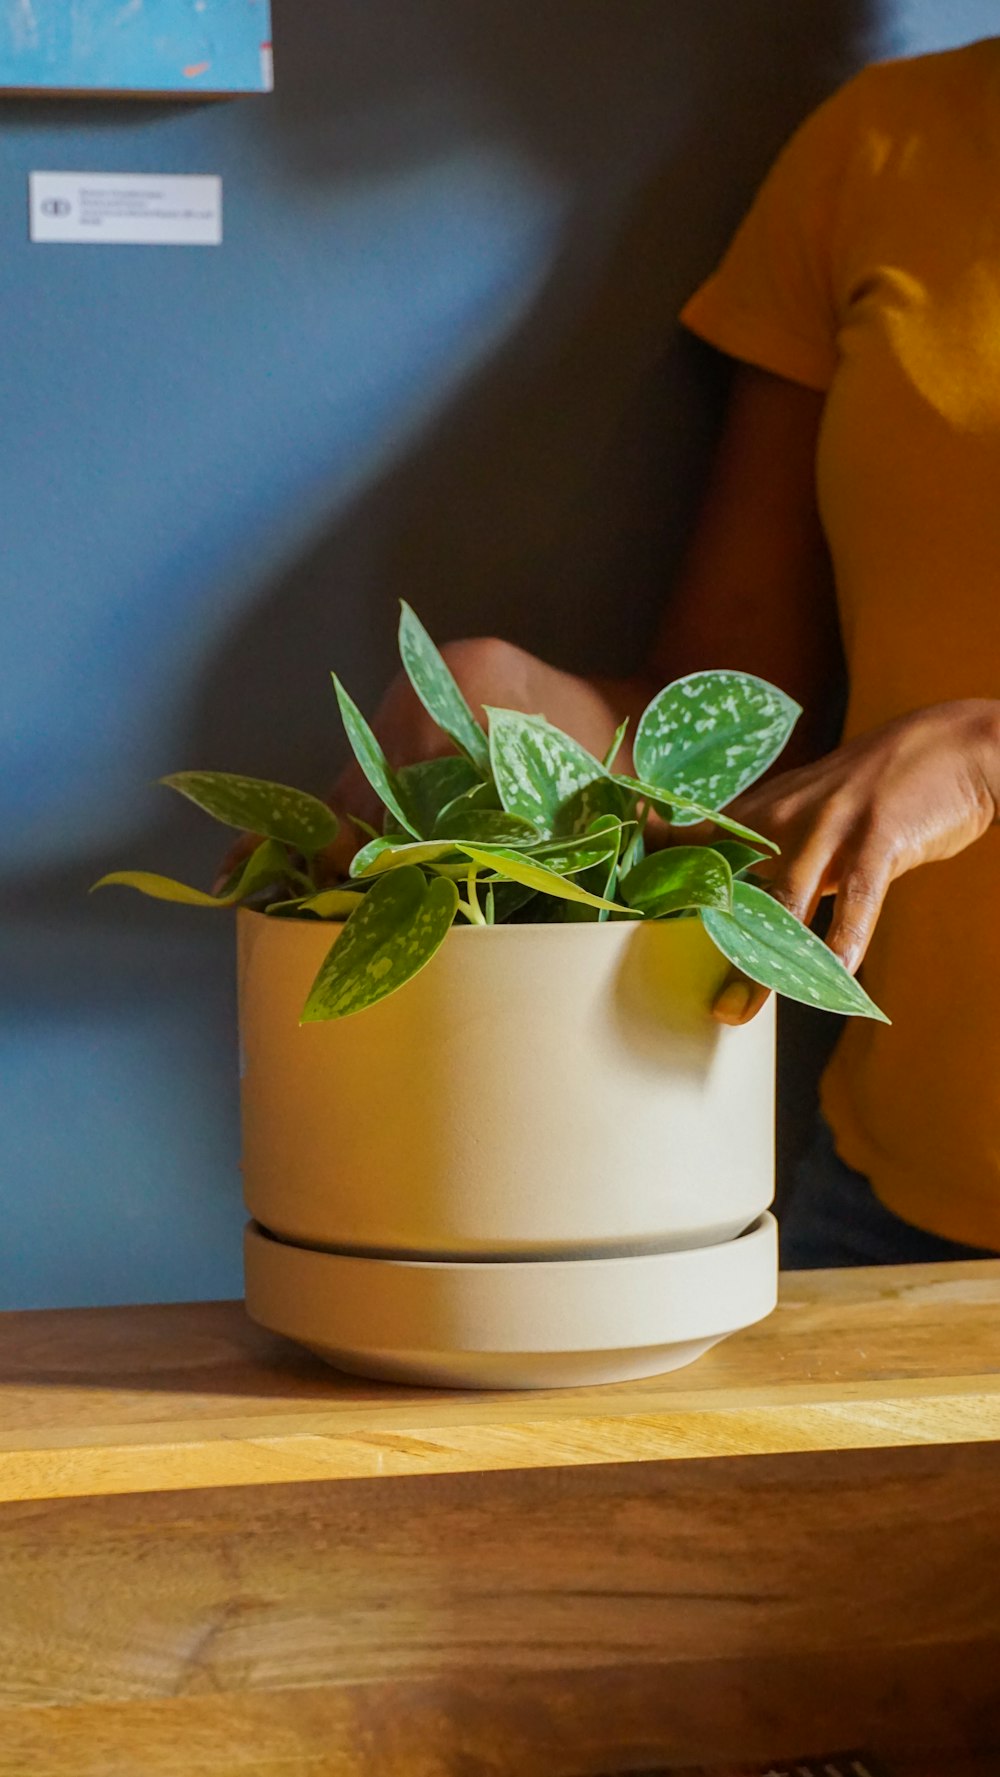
(867, 278)
(856, 486)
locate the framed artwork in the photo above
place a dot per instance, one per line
(143, 47)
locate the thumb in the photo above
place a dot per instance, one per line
(738, 999)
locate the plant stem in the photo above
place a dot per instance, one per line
(610, 888)
(642, 818)
(475, 911)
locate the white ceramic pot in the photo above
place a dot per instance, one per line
(537, 1092)
(518, 1324)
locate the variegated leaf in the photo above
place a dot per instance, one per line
(517, 868)
(693, 811)
(738, 856)
(603, 799)
(273, 810)
(436, 687)
(384, 854)
(431, 786)
(681, 877)
(763, 940)
(486, 827)
(394, 933)
(710, 736)
(537, 769)
(373, 761)
(568, 856)
(483, 796)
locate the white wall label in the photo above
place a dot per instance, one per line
(127, 209)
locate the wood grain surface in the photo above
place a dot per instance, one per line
(529, 1622)
(228, 1559)
(150, 1399)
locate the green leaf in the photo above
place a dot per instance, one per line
(683, 876)
(606, 884)
(482, 796)
(374, 849)
(770, 945)
(437, 690)
(389, 854)
(616, 745)
(487, 826)
(273, 810)
(599, 881)
(537, 769)
(334, 903)
(678, 807)
(373, 761)
(603, 799)
(161, 888)
(266, 864)
(641, 792)
(634, 851)
(431, 786)
(738, 856)
(568, 856)
(388, 939)
(711, 735)
(515, 867)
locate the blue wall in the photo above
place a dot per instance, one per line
(434, 357)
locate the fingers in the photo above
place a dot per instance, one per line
(739, 1000)
(799, 894)
(800, 877)
(860, 897)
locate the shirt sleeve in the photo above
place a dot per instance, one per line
(773, 301)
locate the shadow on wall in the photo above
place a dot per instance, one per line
(545, 494)
(551, 500)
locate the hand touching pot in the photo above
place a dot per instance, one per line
(915, 791)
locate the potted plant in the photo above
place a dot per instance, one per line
(492, 1135)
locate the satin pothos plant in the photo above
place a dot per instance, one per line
(522, 824)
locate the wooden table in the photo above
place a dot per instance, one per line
(217, 1555)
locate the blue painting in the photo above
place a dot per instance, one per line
(135, 46)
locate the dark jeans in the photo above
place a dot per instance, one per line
(833, 1217)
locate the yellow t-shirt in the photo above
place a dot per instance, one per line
(869, 268)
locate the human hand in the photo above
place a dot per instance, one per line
(920, 789)
(488, 671)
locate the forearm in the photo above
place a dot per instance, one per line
(755, 591)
